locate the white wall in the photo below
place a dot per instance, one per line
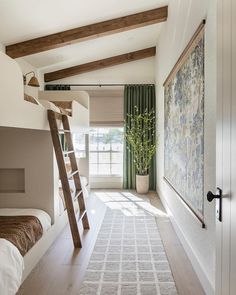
(184, 18)
(26, 68)
(2, 47)
(32, 151)
(141, 71)
(106, 182)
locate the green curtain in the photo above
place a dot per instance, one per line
(142, 96)
(63, 142)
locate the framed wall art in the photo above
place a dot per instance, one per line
(184, 126)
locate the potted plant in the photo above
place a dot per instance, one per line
(140, 134)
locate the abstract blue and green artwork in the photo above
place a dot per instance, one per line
(184, 129)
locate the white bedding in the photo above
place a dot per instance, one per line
(11, 268)
(11, 261)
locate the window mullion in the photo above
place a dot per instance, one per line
(98, 151)
(110, 159)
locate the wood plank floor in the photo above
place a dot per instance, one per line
(61, 270)
(186, 280)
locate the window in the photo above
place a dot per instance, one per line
(106, 151)
(78, 142)
(79, 145)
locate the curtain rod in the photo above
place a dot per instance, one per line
(97, 85)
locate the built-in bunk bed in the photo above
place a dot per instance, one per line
(32, 213)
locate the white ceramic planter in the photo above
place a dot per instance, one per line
(142, 184)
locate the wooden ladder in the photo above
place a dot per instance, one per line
(53, 118)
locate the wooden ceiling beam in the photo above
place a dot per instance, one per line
(100, 64)
(88, 32)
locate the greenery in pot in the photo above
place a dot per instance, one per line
(140, 134)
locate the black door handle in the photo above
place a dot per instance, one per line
(218, 197)
(211, 196)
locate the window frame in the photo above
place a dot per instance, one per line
(110, 152)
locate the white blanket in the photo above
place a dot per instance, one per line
(11, 261)
(11, 268)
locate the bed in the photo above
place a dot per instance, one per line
(25, 136)
(16, 112)
(12, 261)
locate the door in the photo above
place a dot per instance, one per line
(226, 148)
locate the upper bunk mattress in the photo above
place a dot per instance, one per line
(23, 227)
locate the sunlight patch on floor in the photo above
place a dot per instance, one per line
(129, 204)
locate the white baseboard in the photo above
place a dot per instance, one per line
(106, 182)
(205, 282)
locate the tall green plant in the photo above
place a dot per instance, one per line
(140, 135)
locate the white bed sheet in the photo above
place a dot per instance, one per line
(11, 268)
(11, 261)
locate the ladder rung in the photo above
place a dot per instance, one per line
(72, 174)
(62, 131)
(77, 194)
(67, 153)
(81, 214)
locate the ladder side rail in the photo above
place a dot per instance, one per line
(64, 179)
(74, 166)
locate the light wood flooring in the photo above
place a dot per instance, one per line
(61, 270)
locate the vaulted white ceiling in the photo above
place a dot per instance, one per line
(27, 19)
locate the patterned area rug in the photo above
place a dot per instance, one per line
(128, 258)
